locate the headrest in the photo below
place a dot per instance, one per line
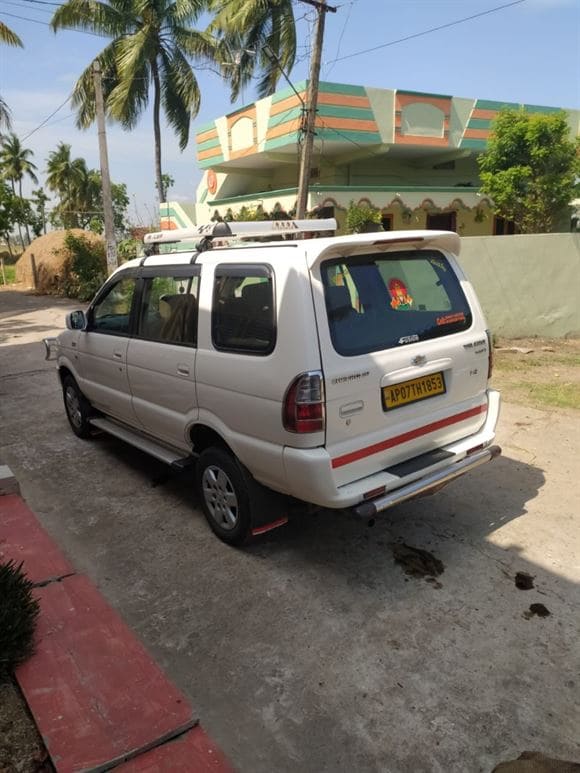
(259, 294)
(168, 304)
(337, 298)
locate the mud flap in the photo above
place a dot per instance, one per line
(269, 509)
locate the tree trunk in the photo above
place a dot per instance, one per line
(25, 224)
(9, 246)
(18, 224)
(157, 130)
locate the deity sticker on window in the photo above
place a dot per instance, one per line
(400, 297)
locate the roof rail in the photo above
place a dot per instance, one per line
(240, 229)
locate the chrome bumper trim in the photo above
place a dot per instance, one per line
(424, 485)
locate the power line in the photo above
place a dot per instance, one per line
(46, 24)
(341, 35)
(20, 5)
(40, 125)
(42, 2)
(428, 31)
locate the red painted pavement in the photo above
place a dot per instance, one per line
(192, 752)
(22, 538)
(94, 691)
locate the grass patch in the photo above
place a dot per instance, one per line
(508, 361)
(554, 395)
(10, 273)
(547, 377)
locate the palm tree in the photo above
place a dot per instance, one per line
(68, 178)
(40, 199)
(15, 163)
(152, 44)
(10, 39)
(260, 37)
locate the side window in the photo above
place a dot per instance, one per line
(243, 311)
(169, 310)
(112, 313)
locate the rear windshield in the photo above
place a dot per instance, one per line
(378, 301)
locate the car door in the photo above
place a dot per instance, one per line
(102, 348)
(161, 355)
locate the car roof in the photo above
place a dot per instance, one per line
(315, 249)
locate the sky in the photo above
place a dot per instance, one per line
(528, 52)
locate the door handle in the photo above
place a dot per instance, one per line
(118, 355)
(183, 370)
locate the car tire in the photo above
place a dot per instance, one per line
(77, 407)
(224, 495)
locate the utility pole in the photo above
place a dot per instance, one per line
(309, 118)
(105, 177)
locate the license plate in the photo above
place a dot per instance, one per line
(397, 395)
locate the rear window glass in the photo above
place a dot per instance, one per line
(377, 301)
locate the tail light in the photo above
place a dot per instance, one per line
(304, 409)
(489, 353)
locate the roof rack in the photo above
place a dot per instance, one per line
(241, 230)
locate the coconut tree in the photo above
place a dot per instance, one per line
(152, 44)
(67, 177)
(15, 164)
(9, 38)
(261, 39)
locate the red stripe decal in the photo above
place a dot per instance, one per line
(269, 526)
(340, 461)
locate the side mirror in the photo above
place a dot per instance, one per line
(76, 320)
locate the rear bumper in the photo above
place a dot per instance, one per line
(426, 485)
(309, 473)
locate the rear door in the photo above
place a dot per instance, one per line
(404, 355)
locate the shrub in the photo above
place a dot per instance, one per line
(127, 249)
(18, 614)
(362, 218)
(84, 269)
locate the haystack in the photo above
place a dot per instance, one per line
(49, 255)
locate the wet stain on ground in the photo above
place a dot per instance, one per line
(418, 562)
(538, 610)
(524, 581)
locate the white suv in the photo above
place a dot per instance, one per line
(347, 372)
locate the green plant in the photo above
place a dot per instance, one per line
(85, 267)
(530, 169)
(127, 249)
(361, 218)
(18, 614)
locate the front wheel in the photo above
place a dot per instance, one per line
(77, 407)
(225, 498)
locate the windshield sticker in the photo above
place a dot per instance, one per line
(400, 298)
(449, 319)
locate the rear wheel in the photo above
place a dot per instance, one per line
(77, 407)
(225, 498)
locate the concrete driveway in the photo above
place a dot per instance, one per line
(313, 650)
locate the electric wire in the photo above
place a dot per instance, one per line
(447, 25)
(47, 119)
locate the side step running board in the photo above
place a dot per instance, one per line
(161, 452)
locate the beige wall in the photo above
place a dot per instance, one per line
(528, 285)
